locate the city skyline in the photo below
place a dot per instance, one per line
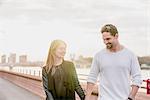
(28, 26)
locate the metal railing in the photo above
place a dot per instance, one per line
(82, 77)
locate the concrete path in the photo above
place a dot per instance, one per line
(10, 91)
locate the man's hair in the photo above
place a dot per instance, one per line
(109, 28)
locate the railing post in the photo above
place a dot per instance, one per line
(148, 86)
(23, 71)
(34, 72)
(39, 73)
(26, 71)
(30, 71)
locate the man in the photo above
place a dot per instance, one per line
(116, 67)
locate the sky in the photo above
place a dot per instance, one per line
(29, 26)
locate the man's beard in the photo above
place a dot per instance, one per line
(109, 45)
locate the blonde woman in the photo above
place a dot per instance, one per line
(59, 76)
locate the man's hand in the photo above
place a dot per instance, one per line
(87, 97)
(88, 91)
(133, 92)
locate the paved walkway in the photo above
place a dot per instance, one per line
(10, 91)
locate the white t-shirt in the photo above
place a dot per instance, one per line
(116, 71)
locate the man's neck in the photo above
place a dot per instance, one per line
(116, 48)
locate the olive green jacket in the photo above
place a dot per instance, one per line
(71, 83)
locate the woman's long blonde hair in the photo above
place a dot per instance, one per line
(50, 58)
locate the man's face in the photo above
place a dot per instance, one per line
(109, 40)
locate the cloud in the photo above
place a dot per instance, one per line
(30, 22)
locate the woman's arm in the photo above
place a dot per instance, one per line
(45, 85)
(77, 85)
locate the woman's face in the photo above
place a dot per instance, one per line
(60, 51)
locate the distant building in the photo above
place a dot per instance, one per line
(3, 59)
(23, 59)
(12, 58)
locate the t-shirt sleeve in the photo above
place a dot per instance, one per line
(92, 77)
(135, 72)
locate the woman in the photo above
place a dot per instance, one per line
(59, 76)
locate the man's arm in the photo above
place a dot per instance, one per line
(89, 90)
(136, 77)
(92, 77)
(133, 92)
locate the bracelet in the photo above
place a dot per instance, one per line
(130, 98)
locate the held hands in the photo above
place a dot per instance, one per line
(87, 97)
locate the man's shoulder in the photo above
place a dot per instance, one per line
(99, 54)
(130, 52)
(102, 51)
